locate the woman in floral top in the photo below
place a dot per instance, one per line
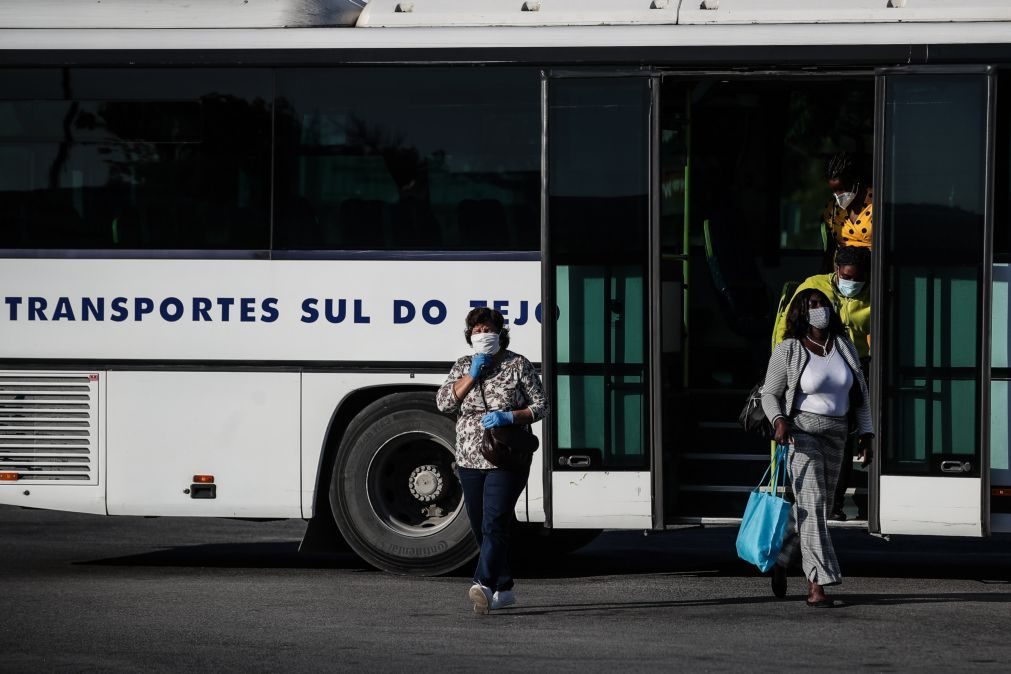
(515, 395)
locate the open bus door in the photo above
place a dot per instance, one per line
(599, 272)
(932, 300)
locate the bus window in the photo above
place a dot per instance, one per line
(408, 159)
(135, 159)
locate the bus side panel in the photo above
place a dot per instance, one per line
(240, 427)
(934, 506)
(73, 499)
(602, 500)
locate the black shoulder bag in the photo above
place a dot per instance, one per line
(509, 447)
(752, 416)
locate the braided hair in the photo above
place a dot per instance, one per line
(848, 168)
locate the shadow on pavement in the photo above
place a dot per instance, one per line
(711, 552)
(696, 553)
(843, 601)
(280, 555)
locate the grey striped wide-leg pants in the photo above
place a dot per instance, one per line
(815, 461)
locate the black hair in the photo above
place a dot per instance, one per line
(797, 321)
(854, 255)
(490, 317)
(849, 168)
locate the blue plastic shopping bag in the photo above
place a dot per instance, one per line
(764, 524)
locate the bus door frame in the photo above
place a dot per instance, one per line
(651, 368)
(878, 294)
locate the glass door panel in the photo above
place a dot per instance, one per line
(597, 275)
(600, 364)
(932, 297)
(1000, 401)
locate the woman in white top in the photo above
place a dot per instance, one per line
(813, 388)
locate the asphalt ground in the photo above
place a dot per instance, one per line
(86, 593)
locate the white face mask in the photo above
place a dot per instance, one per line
(818, 318)
(849, 288)
(485, 342)
(844, 199)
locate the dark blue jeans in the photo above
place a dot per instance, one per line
(490, 496)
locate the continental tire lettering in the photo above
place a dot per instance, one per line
(426, 551)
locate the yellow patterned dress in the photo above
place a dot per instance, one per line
(847, 232)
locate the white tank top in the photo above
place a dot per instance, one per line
(825, 385)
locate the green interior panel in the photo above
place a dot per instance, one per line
(600, 406)
(1000, 342)
(627, 318)
(576, 396)
(936, 417)
(1000, 404)
(939, 314)
(1000, 407)
(580, 299)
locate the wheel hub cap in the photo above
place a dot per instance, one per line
(426, 483)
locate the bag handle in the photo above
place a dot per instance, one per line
(776, 465)
(779, 465)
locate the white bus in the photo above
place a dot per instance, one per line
(238, 240)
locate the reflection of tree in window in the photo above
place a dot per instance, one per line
(177, 169)
(419, 159)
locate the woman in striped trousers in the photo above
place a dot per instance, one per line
(814, 393)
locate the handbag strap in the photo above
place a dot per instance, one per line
(480, 388)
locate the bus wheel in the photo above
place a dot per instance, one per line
(393, 492)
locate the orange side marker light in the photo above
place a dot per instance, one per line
(9, 477)
(203, 479)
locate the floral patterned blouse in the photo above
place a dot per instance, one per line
(512, 385)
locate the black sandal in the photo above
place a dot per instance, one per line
(821, 603)
(779, 581)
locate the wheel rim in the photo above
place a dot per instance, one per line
(411, 486)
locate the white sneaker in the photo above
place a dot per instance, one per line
(481, 596)
(503, 599)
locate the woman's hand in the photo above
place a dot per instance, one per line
(479, 361)
(782, 431)
(864, 452)
(493, 419)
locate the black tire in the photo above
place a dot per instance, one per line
(536, 540)
(393, 493)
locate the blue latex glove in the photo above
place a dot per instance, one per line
(493, 419)
(479, 361)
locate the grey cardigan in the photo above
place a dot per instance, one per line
(782, 379)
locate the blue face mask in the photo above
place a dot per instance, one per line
(849, 288)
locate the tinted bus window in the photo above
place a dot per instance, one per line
(408, 159)
(135, 158)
